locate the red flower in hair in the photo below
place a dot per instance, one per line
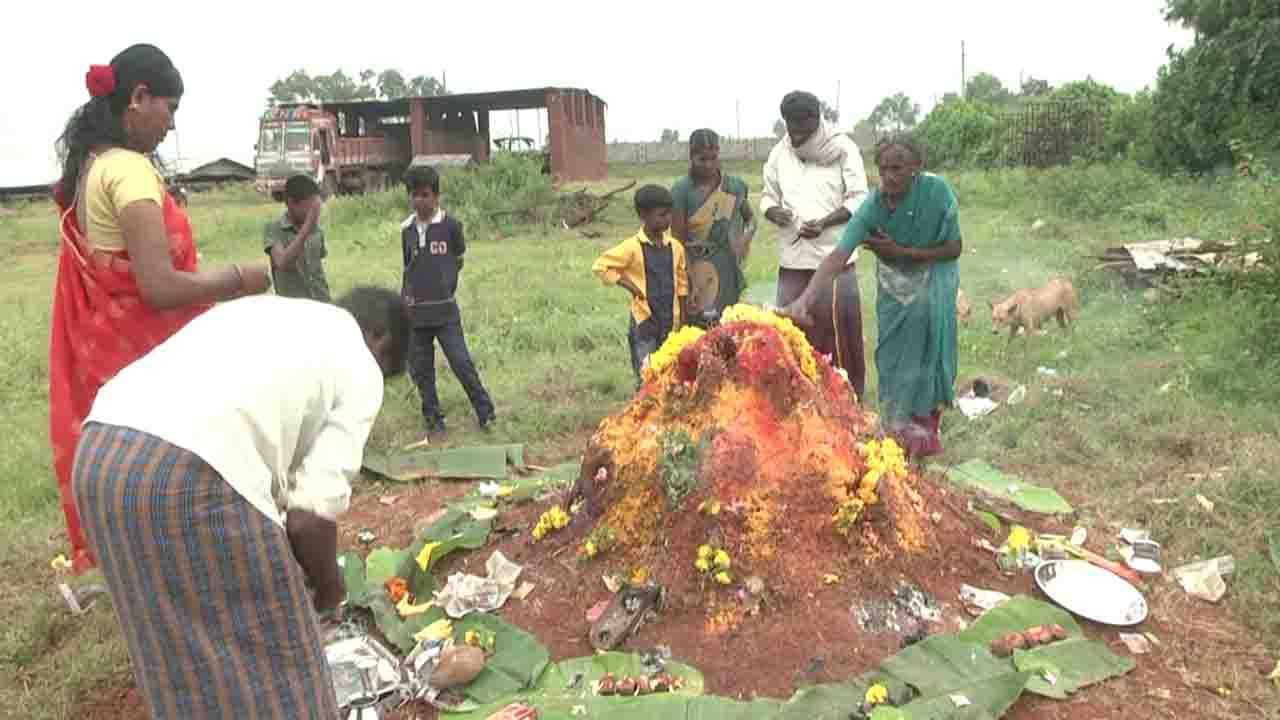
(101, 80)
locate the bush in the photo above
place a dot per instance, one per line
(473, 195)
(958, 133)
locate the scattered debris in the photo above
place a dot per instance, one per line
(975, 407)
(1205, 502)
(978, 601)
(465, 593)
(60, 564)
(366, 674)
(903, 613)
(1079, 535)
(1144, 263)
(595, 612)
(389, 500)
(624, 614)
(523, 591)
(1140, 552)
(654, 660)
(1047, 371)
(82, 599)
(366, 537)
(568, 211)
(1138, 644)
(1038, 225)
(1204, 579)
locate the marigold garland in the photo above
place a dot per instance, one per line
(666, 355)
(793, 336)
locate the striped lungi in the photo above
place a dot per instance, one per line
(210, 598)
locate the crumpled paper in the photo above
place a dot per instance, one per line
(975, 407)
(465, 593)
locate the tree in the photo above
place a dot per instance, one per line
(985, 87)
(779, 128)
(391, 84)
(299, 86)
(894, 113)
(1035, 87)
(670, 136)
(1224, 89)
(426, 86)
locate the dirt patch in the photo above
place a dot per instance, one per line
(809, 635)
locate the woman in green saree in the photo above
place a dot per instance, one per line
(713, 219)
(911, 223)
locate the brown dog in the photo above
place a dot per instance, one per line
(1029, 308)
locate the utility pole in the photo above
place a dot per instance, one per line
(964, 92)
(737, 114)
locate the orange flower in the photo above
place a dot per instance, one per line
(397, 589)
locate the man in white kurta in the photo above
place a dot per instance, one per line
(814, 180)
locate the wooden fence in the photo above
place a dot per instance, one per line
(1046, 133)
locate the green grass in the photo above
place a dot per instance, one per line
(1149, 394)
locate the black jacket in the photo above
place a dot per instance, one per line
(431, 267)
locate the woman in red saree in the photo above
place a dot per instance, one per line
(127, 271)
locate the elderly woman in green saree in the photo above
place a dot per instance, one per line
(713, 219)
(911, 223)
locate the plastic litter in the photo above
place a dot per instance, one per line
(464, 593)
(1204, 579)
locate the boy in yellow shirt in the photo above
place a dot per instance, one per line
(649, 265)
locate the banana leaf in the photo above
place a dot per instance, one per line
(571, 683)
(1060, 669)
(985, 699)
(467, 463)
(945, 664)
(517, 663)
(353, 577)
(384, 564)
(980, 475)
(1016, 614)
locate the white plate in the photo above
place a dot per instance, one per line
(1091, 592)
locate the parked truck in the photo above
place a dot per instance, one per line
(346, 148)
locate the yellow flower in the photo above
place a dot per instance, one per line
(877, 694)
(831, 579)
(705, 551)
(589, 548)
(702, 564)
(709, 507)
(424, 557)
(505, 490)
(438, 630)
(639, 576)
(60, 563)
(724, 578)
(792, 336)
(408, 609)
(722, 560)
(1019, 538)
(666, 355)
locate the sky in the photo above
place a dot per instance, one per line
(658, 64)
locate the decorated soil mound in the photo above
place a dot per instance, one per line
(744, 464)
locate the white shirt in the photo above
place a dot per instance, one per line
(422, 226)
(811, 192)
(277, 394)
